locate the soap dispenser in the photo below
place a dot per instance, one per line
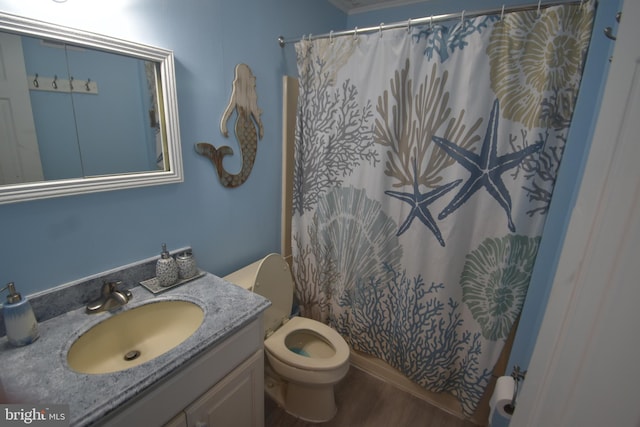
(19, 320)
(166, 268)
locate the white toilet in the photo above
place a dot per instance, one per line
(305, 358)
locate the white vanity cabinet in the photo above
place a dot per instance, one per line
(233, 401)
(223, 387)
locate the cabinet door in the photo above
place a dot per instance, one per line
(236, 401)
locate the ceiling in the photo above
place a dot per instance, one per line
(358, 6)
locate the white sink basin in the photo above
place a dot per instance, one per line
(135, 336)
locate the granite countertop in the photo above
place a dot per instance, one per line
(39, 374)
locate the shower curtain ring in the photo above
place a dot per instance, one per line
(539, 2)
(380, 29)
(502, 13)
(35, 81)
(409, 25)
(331, 37)
(462, 18)
(431, 23)
(355, 33)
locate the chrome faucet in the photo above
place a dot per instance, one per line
(111, 297)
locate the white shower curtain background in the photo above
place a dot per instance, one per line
(425, 160)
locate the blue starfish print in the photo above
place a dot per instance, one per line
(486, 168)
(419, 203)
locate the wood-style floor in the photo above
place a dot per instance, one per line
(365, 401)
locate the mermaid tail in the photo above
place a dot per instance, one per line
(248, 141)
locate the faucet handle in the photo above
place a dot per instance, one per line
(110, 287)
(111, 297)
(113, 288)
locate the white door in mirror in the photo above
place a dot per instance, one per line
(19, 153)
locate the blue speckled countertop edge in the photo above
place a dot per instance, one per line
(39, 373)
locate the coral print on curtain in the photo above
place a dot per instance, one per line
(425, 161)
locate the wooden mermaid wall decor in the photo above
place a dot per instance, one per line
(244, 100)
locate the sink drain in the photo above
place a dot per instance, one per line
(132, 355)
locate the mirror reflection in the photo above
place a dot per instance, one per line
(82, 112)
(79, 112)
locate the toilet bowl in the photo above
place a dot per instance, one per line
(304, 358)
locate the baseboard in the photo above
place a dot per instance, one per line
(383, 371)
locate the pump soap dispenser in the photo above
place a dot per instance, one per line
(19, 320)
(166, 268)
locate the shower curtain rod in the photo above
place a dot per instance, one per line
(430, 19)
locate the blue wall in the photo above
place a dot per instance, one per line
(47, 243)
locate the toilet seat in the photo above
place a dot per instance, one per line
(306, 379)
(276, 345)
(271, 278)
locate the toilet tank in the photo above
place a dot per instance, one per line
(271, 278)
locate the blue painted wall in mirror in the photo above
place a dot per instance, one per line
(82, 133)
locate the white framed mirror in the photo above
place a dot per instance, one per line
(82, 112)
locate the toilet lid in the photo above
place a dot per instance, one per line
(274, 282)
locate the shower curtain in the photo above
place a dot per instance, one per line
(425, 160)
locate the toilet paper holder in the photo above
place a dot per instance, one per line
(518, 375)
